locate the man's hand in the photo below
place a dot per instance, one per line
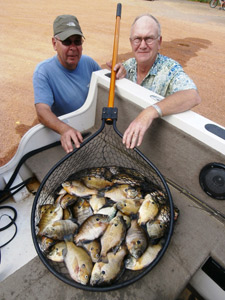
(133, 136)
(69, 135)
(119, 69)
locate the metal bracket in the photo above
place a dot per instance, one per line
(109, 113)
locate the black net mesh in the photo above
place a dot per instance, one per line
(101, 150)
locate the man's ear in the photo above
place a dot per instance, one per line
(54, 43)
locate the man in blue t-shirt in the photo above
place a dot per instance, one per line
(61, 83)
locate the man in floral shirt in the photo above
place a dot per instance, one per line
(157, 73)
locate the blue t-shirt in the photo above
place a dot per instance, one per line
(62, 89)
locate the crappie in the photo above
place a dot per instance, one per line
(58, 229)
(136, 239)
(92, 228)
(77, 188)
(157, 228)
(93, 248)
(128, 176)
(52, 213)
(81, 210)
(145, 260)
(78, 263)
(128, 206)
(97, 202)
(122, 192)
(56, 252)
(148, 210)
(113, 236)
(105, 273)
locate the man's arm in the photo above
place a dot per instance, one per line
(50, 120)
(173, 104)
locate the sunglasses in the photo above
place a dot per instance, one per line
(68, 42)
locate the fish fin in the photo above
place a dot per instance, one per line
(64, 252)
(133, 216)
(68, 237)
(101, 193)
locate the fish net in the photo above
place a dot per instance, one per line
(102, 149)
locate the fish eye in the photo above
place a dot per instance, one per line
(160, 226)
(97, 255)
(92, 248)
(125, 204)
(103, 272)
(86, 276)
(83, 266)
(138, 242)
(97, 219)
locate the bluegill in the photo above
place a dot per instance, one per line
(109, 211)
(77, 188)
(51, 214)
(92, 228)
(96, 182)
(44, 208)
(56, 252)
(67, 214)
(156, 229)
(105, 273)
(93, 248)
(126, 218)
(57, 230)
(97, 202)
(78, 263)
(81, 210)
(148, 210)
(136, 239)
(128, 206)
(46, 243)
(122, 192)
(113, 236)
(67, 200)
(145, 260)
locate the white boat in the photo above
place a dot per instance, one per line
(188, 149)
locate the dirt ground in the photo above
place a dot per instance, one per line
(193, 34)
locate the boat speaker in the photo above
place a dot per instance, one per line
(212, 180)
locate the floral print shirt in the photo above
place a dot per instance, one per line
(164, 78)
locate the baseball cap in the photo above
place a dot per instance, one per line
(66, 25)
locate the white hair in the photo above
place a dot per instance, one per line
(150, 16)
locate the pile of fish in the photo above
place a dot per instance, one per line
(103, 221)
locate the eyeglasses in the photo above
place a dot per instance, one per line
(68, 42)
(148, 40)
